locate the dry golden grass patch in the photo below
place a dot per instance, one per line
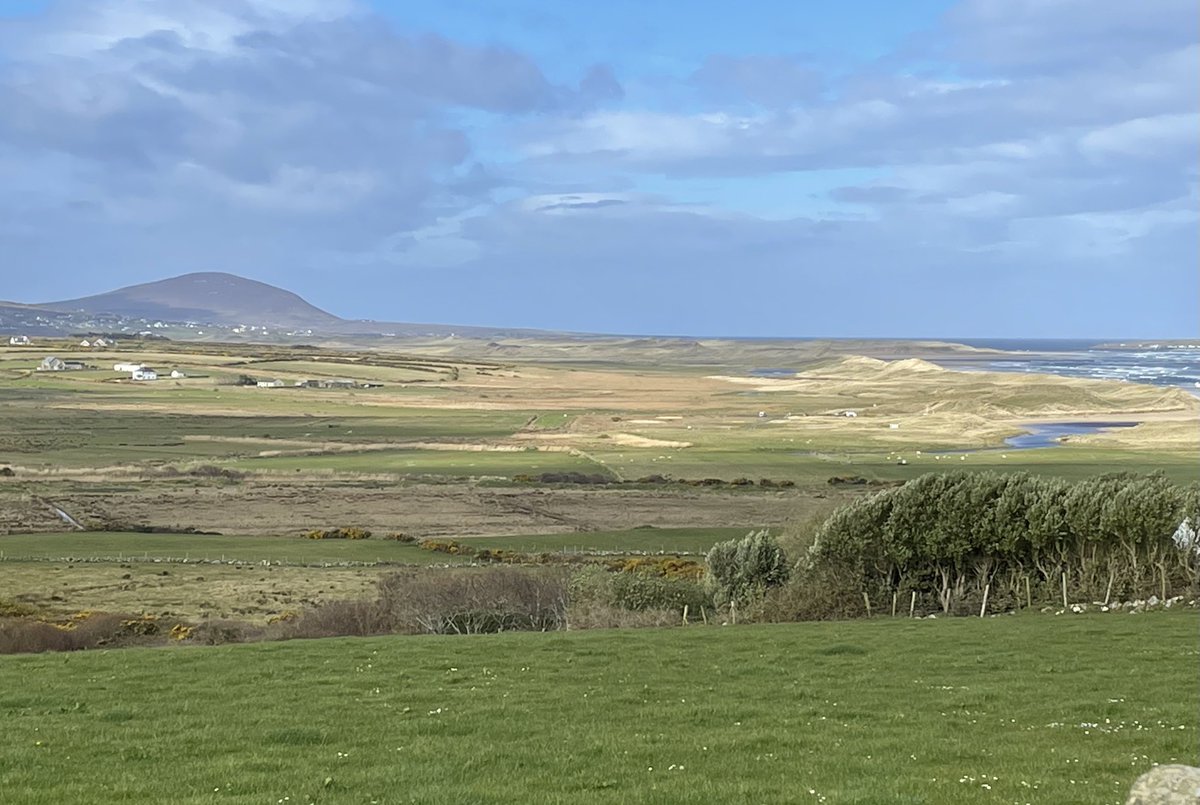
(185, 591)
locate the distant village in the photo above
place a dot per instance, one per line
(140, 372)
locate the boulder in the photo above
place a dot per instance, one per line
(1167, 785)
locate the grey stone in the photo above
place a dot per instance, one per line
(1167, 785)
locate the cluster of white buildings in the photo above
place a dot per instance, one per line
(137, 371)
(140, 371)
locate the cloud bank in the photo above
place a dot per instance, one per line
(1022, 168)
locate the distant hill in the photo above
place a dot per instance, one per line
(209, 297)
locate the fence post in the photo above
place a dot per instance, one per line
(867, 601)
(1064, 589)
(912, 605)
(983, 607)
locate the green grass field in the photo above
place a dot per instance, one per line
(453, 463)
(665, 540)
(1033, 709)
(94, 546)
(97, 546)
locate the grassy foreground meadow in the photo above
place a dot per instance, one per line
(1015, 709)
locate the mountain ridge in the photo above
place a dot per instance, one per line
(208, 297)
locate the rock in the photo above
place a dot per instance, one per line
(1167, 785)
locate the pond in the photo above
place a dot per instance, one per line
(1043, 434)
(1050, 434)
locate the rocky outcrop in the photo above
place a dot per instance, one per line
(1167, 785)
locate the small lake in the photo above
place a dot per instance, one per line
(1049, 434)
(1043, 434)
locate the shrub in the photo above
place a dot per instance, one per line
(635, 591)
(475, 600)
(145, 626)
(340, 533)
(211, 471)
(342, 619)
(446, 546)
(15, 609)
(952, 539)
(81, 631)
(24, 636)
(741, 571)
(669, 566)
(219, 632)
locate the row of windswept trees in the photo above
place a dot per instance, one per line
(948, 538)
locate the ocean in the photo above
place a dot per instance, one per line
(1156, 364)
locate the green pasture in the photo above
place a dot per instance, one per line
(454, 463)
(41, 435)
(118, 546)
(1028, 709)
(1068, 461)
(108, 546)
(651, 540)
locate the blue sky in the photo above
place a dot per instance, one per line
(766, 168)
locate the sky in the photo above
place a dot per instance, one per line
(868, 168)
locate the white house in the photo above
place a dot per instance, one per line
(128, 367)
(145, 373)
(85, 343)
(177, 375)
(850, 413)
(18, 341)
(52, 364)
(100, 343)
(270, 384)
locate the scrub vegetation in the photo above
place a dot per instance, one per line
(440, 496)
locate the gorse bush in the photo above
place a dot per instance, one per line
(948, 537)
(741, 571)
(672, 567)
(352, 532)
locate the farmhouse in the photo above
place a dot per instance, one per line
(308, 384)
(18, 341)
(145, 373)
(52, 364)
(338, 384)
(128, 367)
(177, 375)
(270, 384)
(850, 413)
